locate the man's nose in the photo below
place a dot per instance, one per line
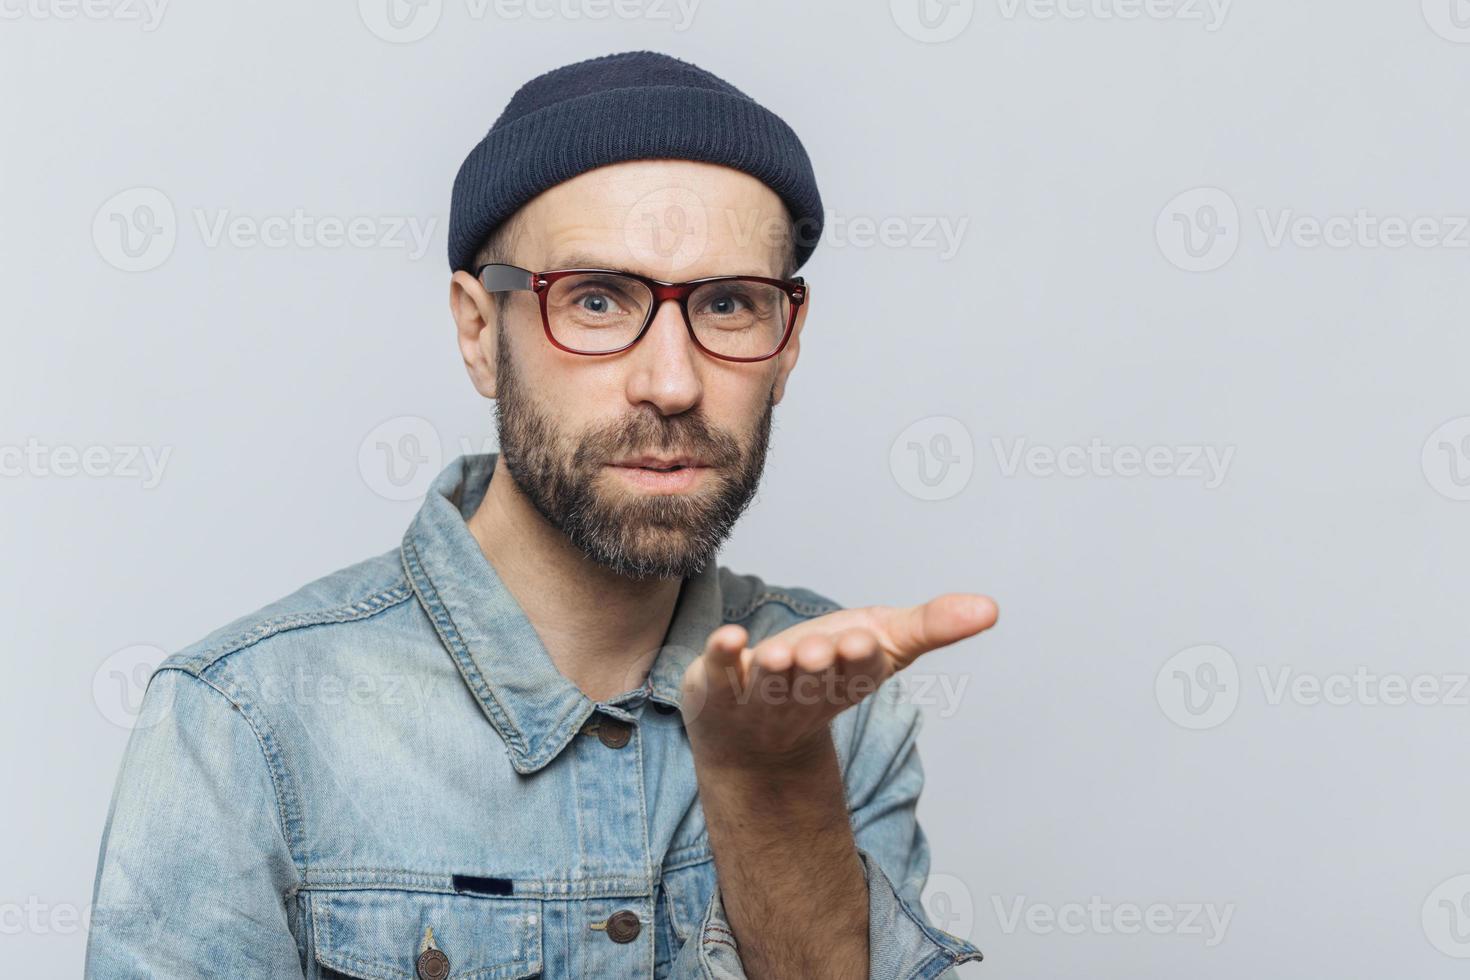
(666, 364)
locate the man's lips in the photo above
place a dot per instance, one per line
(668, 475)
(661, 462)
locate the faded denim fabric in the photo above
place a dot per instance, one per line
(387, 762)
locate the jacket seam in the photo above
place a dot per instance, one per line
(271, 765)
(364, 608)
(943, 948)
(736, 613)
(449, 636)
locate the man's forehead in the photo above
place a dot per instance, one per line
(661, 218)
(669, 246)
(584, 256)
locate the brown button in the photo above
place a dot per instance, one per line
(623, 927)
(614, 732)
(433, 965)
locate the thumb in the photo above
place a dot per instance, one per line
(915, 630)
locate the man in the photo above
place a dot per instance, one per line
(549, 735)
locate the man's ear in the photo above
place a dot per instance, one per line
(787, 358)
(474, 320)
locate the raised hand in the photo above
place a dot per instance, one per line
(771, 703)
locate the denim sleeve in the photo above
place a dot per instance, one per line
(194, 864)
(883, 782)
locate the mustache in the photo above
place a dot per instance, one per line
(675, 435)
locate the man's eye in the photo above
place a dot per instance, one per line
(599, 302)
(726, 304)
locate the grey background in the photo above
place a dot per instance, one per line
(1057, 773)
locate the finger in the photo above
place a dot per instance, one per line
(814, 678)
(815, 654)
(861, 664)
(859, 653)
(768, 677)
(722, 652)
(772, 658)
(725, 644)
(915, 630)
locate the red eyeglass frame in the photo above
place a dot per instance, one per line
(500, 278)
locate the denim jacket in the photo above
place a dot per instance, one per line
(383, 775)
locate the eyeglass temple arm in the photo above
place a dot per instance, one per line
(503, 278)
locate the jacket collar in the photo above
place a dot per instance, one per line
(533, 706)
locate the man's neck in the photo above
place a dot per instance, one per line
(601, 629)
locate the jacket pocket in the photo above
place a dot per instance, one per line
(688, 890)
(381, 934)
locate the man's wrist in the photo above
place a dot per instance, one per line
(815, 755)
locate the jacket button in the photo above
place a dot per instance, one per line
(623, 927)
(614, 732)
(433, 965)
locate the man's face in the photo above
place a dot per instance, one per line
(566, 421)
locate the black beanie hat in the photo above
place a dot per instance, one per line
(630, 106)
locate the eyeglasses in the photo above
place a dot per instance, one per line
(603, 311)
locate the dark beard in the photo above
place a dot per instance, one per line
(640, 536)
